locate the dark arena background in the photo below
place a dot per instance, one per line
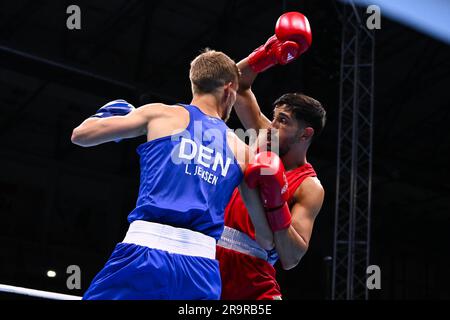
(383, 157)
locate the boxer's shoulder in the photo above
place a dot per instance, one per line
(164, 120)
(310, 189)
(161, 110)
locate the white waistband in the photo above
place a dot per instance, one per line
(238, 241)
(171, 239)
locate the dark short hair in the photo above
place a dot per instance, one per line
(305, 109)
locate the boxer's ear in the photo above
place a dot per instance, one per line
(306, 133)
(227, 89)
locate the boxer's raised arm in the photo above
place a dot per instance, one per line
(246, 105)
(108, 125)
(291, 39)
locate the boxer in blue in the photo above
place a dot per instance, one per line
(190, 165)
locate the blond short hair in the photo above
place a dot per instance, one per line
(211, 70)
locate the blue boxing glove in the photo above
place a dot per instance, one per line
(114, 108)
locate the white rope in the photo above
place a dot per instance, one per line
(37, 293)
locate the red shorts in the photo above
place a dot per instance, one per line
(245, 277)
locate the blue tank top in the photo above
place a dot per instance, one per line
(187, 179)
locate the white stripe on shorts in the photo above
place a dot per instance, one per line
(171, 239)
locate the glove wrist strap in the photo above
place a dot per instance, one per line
(279, 218)
(260, 61)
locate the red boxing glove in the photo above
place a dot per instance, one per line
(273, 52)
(294, 26)
(292, 38)
(267, 173)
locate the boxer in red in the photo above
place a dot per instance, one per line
(245, 251)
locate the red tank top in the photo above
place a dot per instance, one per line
(236, 214)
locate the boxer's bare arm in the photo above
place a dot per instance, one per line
(94, 131)
(292, 243)
(263, 233)
(244, 155)
(246, 105)
(291, 39)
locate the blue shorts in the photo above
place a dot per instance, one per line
(135, 272)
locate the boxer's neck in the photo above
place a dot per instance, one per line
(294, 159)
(208, 104)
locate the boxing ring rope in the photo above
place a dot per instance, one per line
(37, 293)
